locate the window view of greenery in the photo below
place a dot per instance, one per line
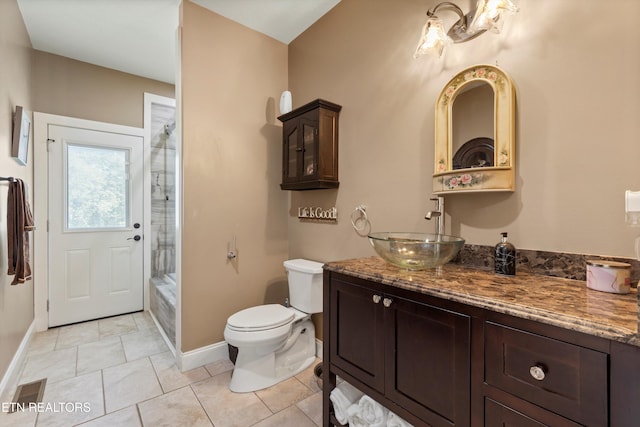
(97, 187)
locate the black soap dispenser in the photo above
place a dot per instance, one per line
(505, 257)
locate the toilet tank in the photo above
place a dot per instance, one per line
(305, 284)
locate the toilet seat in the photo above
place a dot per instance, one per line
(260, 318)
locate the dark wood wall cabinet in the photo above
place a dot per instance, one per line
(435, 362)
(310, 146)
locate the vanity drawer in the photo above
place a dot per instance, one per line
(565, 378)
(497, 414)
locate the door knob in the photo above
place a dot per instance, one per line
(137, 237)
(376, 298)
(387, 302)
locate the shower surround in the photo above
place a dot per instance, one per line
(163, 217)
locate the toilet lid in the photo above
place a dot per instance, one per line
(261, 318)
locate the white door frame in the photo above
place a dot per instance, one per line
(41, 122)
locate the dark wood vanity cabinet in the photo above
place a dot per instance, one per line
(436, 362)
(408, 354)
(310, 146)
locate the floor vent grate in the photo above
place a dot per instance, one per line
(28, 393)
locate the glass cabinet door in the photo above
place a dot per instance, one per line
(309, 148)
(292, 155)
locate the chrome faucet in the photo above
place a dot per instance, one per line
(438, 213)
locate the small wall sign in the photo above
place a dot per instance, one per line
(318, 213)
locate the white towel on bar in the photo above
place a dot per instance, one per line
(396, 421)
(372, 413)
(342, 397)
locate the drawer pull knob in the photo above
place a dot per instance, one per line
(537, 372)
(387, 302)
(377, 298)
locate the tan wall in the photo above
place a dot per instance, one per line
(576, 75)
(16, 302)
(67, 87)
(231, 77)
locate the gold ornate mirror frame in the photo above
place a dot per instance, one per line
(500, 176)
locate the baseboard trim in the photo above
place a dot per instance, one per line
(202, 356)
(214, 352)
(11, 376)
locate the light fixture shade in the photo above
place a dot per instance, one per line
(433, 39)
(489, 15)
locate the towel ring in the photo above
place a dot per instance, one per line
(359, 219)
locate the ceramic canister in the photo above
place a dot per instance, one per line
(609, 276)
(285, 102)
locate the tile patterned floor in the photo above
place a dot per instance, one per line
(123, 374)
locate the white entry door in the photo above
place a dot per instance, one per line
(95, 224)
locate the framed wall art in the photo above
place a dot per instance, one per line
(21, 132)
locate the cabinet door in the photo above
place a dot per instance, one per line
(308, 157)
(428, 361)
(328, 145)
(300, 151)
(356, 331)
(290, 133)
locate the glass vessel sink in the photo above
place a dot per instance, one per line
(416, 251)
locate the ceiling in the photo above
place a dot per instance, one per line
(138, 36)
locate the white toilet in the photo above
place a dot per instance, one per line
(276, 342)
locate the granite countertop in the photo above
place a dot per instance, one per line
(560, 302)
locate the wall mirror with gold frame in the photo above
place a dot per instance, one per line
(475, 133)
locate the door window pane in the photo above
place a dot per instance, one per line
(97, 187)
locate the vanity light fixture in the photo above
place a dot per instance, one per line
(488, 15)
